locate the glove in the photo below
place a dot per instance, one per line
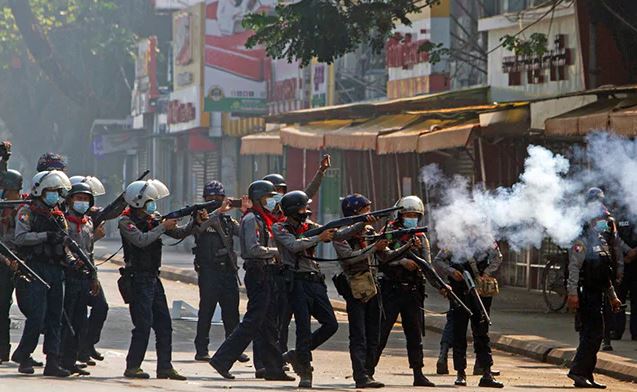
(54, 237)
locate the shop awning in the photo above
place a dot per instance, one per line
(451, 137)
(264, 143)
(310, 136)
(578, 122)
(405, 140)
(363, 136)
(624, 122)
(241, 126)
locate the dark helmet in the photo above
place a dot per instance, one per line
(595, 194)
(353, 203)
(11, 180)
(214, 188)
(51, 161)
(260, 188)
(81, 187)
(276, 179)
(293, 201)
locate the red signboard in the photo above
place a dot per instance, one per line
(403, 52)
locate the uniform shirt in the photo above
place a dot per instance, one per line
(226, 230)
(443, 262)
(7, 226)
(293, 249)
(576, 258)
(23, 234)
(253, 245)
(142, 239)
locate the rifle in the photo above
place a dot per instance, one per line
(350, 220)
(75, 248)
(115, 208)
(395, 234)
(27, 273)
(189, 210)
(471, 285)
(14, 203)
(436, 281)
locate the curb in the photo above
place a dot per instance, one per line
(531, 346)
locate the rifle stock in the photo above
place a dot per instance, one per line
(116, 207)
(436, 281)
(189, 210)
(350, 220)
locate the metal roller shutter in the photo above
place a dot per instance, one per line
(205, 168)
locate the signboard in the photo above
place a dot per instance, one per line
(234, 76)
(184, 109)
(115, 142)
(286, 87)
(320, 86)
(183, 39)
(145, 89)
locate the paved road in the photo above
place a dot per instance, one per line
(331, 362)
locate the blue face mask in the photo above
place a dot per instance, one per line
(151, 207)
(410, 223)
(278, 197)
(51, 198)
(601, 226)
(81, 206)
(270, 204)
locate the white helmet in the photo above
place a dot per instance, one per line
(97, 188)
(139, 192)
(53, 179)
(411, 204)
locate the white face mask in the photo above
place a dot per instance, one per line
(278, 197)
(410, 223)
(270, 204)
(81, 207)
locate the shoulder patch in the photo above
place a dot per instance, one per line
(131, 227)
(24, 215)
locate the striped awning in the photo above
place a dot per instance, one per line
(241, 126)
(363, 136)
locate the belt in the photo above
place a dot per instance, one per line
(311, 276)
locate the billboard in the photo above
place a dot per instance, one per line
(234, 76)
(145, 90)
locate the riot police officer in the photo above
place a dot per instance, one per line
(628, 285)
(259, 320)
(11, 184)
(359, 286)
(308, 292)
(482, 265)
(403, 291)
(80, 282)
(216, 266)
(39, 237)
(51, 161)
(141, 228)
(590, 279)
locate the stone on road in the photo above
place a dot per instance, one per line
(332, 364)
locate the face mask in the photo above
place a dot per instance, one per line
(601, 226)
(278, 198)
(151, 207)
(410, 223)
(51, 198)
(270, 204)
(81, 206)
(302, 217)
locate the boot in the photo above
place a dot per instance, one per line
(306, 379)
(259, 373)
(479, 370)
(420, 380)
(461, 379)
(136, 373)
(170, 374)
(595, 384)
(369, 382)
(53, 368)
(281, 376)
(441, 366)
(225, 373)
(607, 346)
(96, 355)
(290, 357)
(579, 381)
(202, 357)
(77, 370)
(243, 358)
(86, 358)
(488, 381)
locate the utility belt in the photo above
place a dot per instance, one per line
(405, 287)
(75, 274)
(218, 266)
(310, 276)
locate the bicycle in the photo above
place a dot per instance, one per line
(554, 279)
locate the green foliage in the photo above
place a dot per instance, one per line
(436, 51)
(535, 45)
(328, 29)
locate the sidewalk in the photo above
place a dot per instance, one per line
(520, 322)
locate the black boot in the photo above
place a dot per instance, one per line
(243, 358)
(306, 378)
(368, 382)
(479, 370)
(53, 368)
(442, 367)
(595, 384)
(420, 380)
(96, 355)
(488, 381)
(290, 357)
(74, 369)
(461, 379)
(579, 381)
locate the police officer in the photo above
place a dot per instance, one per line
(11, 184)
(141, 228)
(80, 282)
(259, 319)
(403, 291)
(51, 161)
(216, 265)
(590, 279)
(39, 237)
(359, 286)
(482, 265)
(308, 292)
(628, 285)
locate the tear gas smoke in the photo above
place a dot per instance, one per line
(547, 201)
